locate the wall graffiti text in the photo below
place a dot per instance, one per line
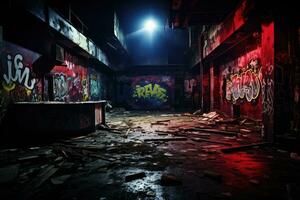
(150, 91)
(17, 73)
(245, 84)
(268, 91)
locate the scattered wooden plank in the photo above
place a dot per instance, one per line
(32, 187)
(90, 147)
(85, 146)
(165, 120)
(227, 121)
(201, 135)
(244, 147)
(102, 157)
(243, 130)
(166, 139)
(135, 176)
(159, 123)
(217, 131)
(166, 131)
(43, 176)
(162, 134)
(180, 134)
(210, 141)
(28, 158)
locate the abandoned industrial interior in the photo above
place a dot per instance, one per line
(149, 99)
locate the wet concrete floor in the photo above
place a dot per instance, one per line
(149, 155)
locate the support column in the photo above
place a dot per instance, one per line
(200, 50)
(267, 61)
(201, 86)
(211, 87)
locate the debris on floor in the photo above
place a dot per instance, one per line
(135, 176)
(136, 154)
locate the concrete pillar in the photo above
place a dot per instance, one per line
(267, 61)
(211, 80)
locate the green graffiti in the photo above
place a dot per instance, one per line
(150, 91)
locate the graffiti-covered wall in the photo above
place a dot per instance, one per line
(192, 89)
(74, 82)
(70, 81)
(18, 80)
(147, 92)
(190, 84)
(95, 84)
(241, 84)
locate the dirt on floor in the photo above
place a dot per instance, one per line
(153, 155)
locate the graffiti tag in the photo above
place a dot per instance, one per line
(85, 89)
(94, 86)
(150, 91)
(75, 89)
(244, 84)
(60, 89)
(189, 84)
(268, 91)
(17, 73)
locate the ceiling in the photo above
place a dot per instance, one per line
(131, 13)
(184, 13)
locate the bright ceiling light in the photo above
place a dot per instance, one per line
(150, 25)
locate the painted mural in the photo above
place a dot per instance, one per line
(70, 81)
(18, 79)
(60, 87)
(241, 84)
(95, 85)
(189, 85)
(244, 84)
(151, 92)
(145, 92)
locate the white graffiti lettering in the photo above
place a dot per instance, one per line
(245, 84)
(17, 73)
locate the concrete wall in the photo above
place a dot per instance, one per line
(147, 92)
(158, 88)
(18, 80)
(73, 81)
(239, 84)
